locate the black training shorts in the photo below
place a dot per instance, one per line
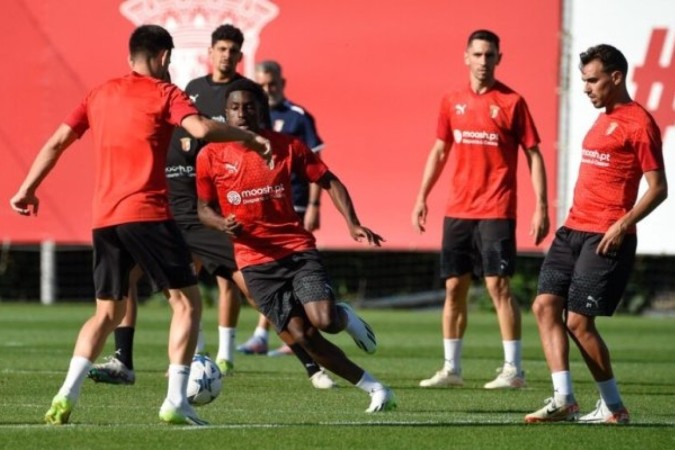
(158, 247)
(213, 248)
(592, 284)
(486, 247)
(280, 288)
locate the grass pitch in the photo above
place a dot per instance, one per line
(269, 403)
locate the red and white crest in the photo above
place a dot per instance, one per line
(191, 23)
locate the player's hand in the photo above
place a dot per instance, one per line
(22, 202)
(231, 226)
(263, 147)
(419, 217)
(612, 240)
(360, 233)
(540, 226)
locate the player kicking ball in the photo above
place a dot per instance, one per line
(249, 198)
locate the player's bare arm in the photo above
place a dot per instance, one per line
(210, 217)
(540, 222)
(343, 202)
(43, 163)
(656, 193)
(433, 168)
(202, 128)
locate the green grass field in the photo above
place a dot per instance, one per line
(270, 404)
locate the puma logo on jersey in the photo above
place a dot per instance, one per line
(460, 108)
(231, 167)
(194, 98)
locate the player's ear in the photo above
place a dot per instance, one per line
(499, 58)
(617, 77)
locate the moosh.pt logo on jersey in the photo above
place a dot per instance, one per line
(255, 195)
(472, 137)
(179, 171)
(595, 157)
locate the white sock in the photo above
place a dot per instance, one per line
(452, 354)
(178, 378)
(609, 393)
(261, 333)
(77, 373)
(513, 353)
(562, 387)
(226, 336)
(201, 340)
(368, 383)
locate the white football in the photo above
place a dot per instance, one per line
(205, 381)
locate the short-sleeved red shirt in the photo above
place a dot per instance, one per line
(617, 150)
(131, 119)
(485, 130)
(261, 199)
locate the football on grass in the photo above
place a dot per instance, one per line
(205, 382)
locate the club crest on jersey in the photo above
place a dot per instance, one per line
(278, 125)
(494, 111)
(191, 23)
(460, 109)
(610, 129)
(185, 144)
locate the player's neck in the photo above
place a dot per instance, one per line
(622, 98)
(220, 77)
(482, 86)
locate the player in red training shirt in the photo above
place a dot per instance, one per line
(590, 261)
(131, 119)
(276, 254)
(480, 129)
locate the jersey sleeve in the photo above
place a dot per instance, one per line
(306, 163)
(444, 127)
(524, 125)
(206, 189)
(78, 119)
(179, 104)
(309, 134)
(648, 146)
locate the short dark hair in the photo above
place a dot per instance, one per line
(244, 84)
(270, 66)
(149, 40)
(227, 32)
(611, 58)
(483, 35)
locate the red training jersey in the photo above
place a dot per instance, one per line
(617, 150)
(485, 131)
(260, 197)
(132, 119)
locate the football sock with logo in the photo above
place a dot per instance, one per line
(562, 387)
(308, 363)
(124, 346)
(610, 394)
(77, 373)
(452, 354)
(178, 379)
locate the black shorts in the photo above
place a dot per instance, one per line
(158, 247)
(280, 288)
(592, 284)
(484, 247)
(213, 248)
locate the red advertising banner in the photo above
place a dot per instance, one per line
(371, 73)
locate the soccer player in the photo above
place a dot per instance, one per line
(480, 128)
(131, 118)
(590, 261)
(288, 118)
(238, 193)
(210, 249)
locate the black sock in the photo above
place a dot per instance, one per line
(310, 365)
(124, 346)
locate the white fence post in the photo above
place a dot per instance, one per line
(47, 272)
